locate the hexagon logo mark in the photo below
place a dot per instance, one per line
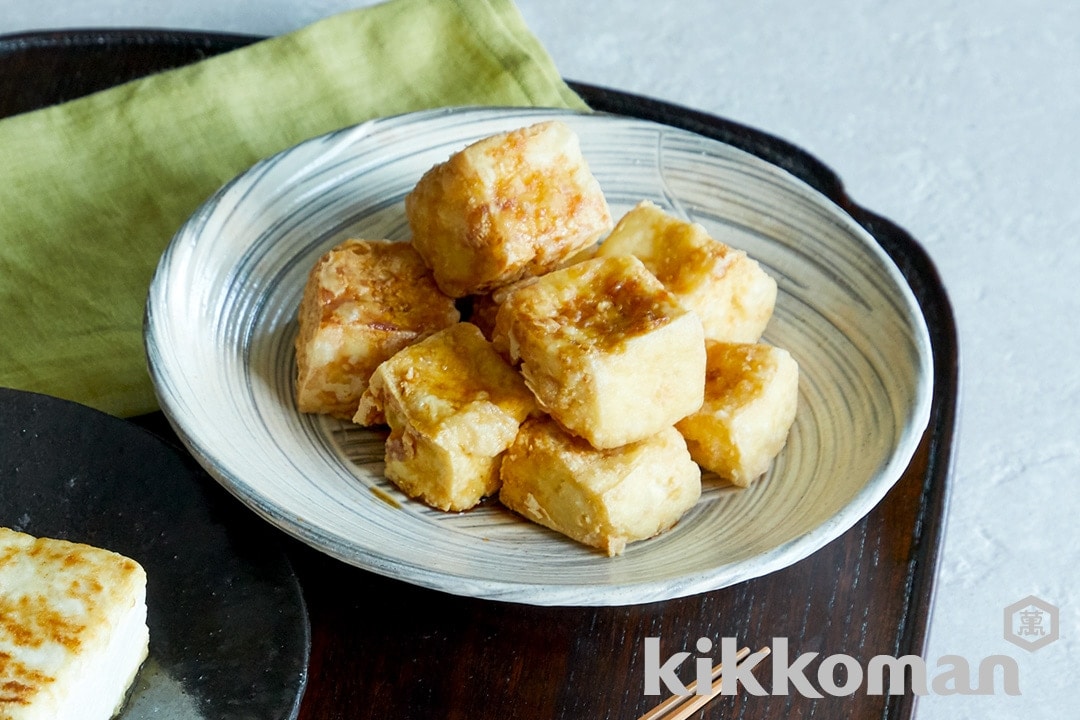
(1031, 623)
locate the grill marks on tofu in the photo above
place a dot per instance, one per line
(72, 627)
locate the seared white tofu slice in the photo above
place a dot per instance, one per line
(364, 300)
(730, 292)
(602, 498)
(511, 205)
(751, 396)
(609, 353)
(453, 406)
(73, 631)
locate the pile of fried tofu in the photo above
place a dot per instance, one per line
(524, 345)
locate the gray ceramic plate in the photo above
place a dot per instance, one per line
(229, 634)
(221, 324)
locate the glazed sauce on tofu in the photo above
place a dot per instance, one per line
(622, 308)
(609, 301)
(383, 284)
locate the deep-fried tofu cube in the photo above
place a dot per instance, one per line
(751, 395)
(608, 352)
(485, 308)
(730, 292)
(602, 498)
(364, 300)
(511, 205)
(453, 406)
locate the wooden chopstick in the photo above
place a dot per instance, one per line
(680, 707)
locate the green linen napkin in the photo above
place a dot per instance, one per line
(91, 191)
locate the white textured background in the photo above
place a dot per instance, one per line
(957, 119)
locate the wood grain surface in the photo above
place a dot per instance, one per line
(382, 648)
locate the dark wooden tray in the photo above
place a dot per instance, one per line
(382, 648)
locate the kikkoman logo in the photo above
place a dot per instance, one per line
(1031, 623)
(952, 676)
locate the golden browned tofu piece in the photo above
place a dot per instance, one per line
(730, 292)
(453, 406)
(751, 395)
(364, 300)
(607, 350)
(485, 308)
(511, 205)
(602, 498)
(73, 630)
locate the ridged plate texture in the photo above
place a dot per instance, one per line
(221, 321)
